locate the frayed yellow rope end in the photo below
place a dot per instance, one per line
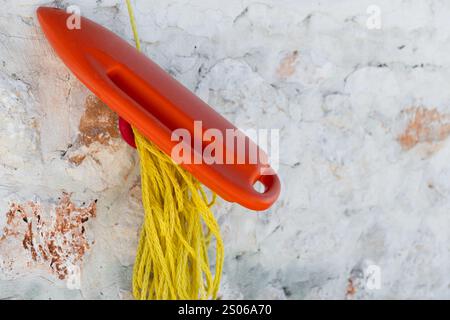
(172, 258)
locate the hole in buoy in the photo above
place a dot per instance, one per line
(259, 187)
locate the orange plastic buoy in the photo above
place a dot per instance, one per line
(148, 98)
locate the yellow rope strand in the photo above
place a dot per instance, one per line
(172, 257)
(133, 25)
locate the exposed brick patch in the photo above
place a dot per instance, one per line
(424, 126)
(56, 239)
(97, 124)
(287, 65)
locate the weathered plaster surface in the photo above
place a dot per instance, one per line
(364, 119)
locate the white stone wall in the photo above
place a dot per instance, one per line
(359, 90)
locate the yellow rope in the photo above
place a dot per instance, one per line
(133, 25)
(172, 257)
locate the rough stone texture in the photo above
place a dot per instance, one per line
(364, 116)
